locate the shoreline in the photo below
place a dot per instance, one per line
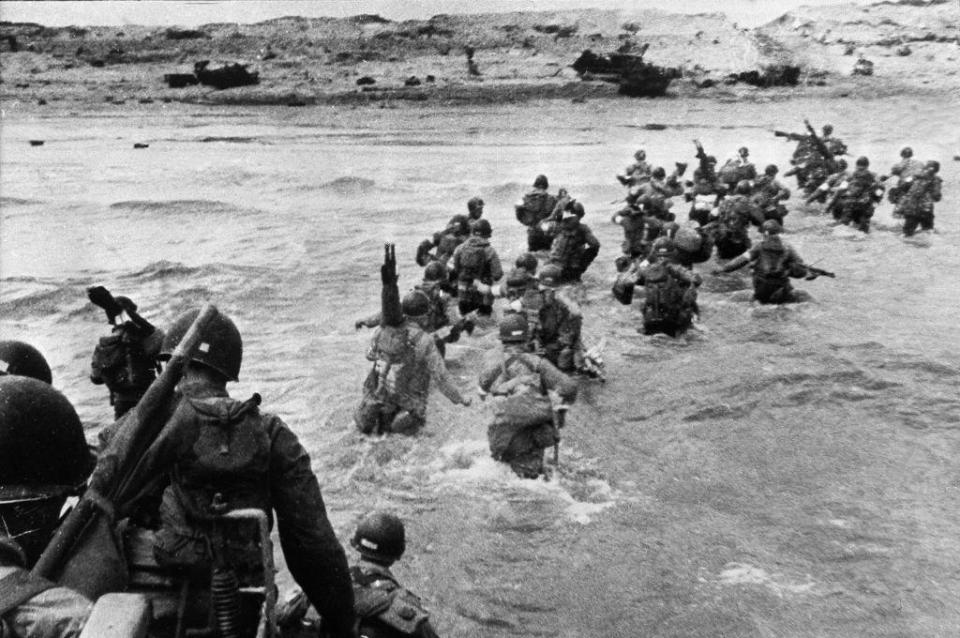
(487, 59)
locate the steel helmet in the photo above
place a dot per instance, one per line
(842, 164)
(934, 165)
(640, 155)
(220, 349)
(513, 328)
(528, 261)
(518, 279)
(863, 161)
(827, 129)
(743, 187)
(550, 276)
(743, 150)
(43, 459)
(475, 206)
(664, 247)
(906, 152)
(41, 438)
(771, 169)
(482, 227)
(659, 172)
(435, 271)
(578, 210)
(771, 226)
(459, 224)
(711, 159)
(415, 304)
(541, 182)
(380, 536)
(19, 358)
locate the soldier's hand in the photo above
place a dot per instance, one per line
(358, 324)
(811, 276)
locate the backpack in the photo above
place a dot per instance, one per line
(119, 361)
(664, 301)
(380, 599)
(535, 206)
(472, 263)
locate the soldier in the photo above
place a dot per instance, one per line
(859, 198)
(834, 144)
(916, 204)
(43, 460)
(670, 300)
(575, 247)
(534, 392)
(534, 208)
(442, 319)
(769, 193)
(405, 359)
(476, 262)
(555, 322)
(738, 169)
(638, 172)
(904, 170)
(474, 211)
(443, 243)
(19, 358)
(774, 261)
(519, 281)
(737, 212)
(126, 361)
(221, 454)
(384, 608)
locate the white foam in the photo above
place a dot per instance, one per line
(744, 574)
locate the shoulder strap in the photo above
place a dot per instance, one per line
(19, 587)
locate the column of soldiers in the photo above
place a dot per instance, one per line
(215, 454)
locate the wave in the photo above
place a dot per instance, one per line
(175, 206)
(17, 201)
(29, 298)
(231, 139)
(349, 185)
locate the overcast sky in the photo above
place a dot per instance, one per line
(196, 12)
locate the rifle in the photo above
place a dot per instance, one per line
(795, 137)
(115, 478)
(101, 297)
(821, 272)
(822, 148)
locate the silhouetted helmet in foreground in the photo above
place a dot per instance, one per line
(513, 328)
(842, 164)
(435, 271)
(43, 459)
(541, 182)
(906, 152)
(475, 206)
(482, 228)
(771, 226)
(380, 537)
(221, 347)
(19, 358)
(415, 304)
(577, 209)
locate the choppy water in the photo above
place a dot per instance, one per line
(778, 472)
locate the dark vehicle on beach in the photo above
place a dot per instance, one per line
(227, 76)
(635, 77)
